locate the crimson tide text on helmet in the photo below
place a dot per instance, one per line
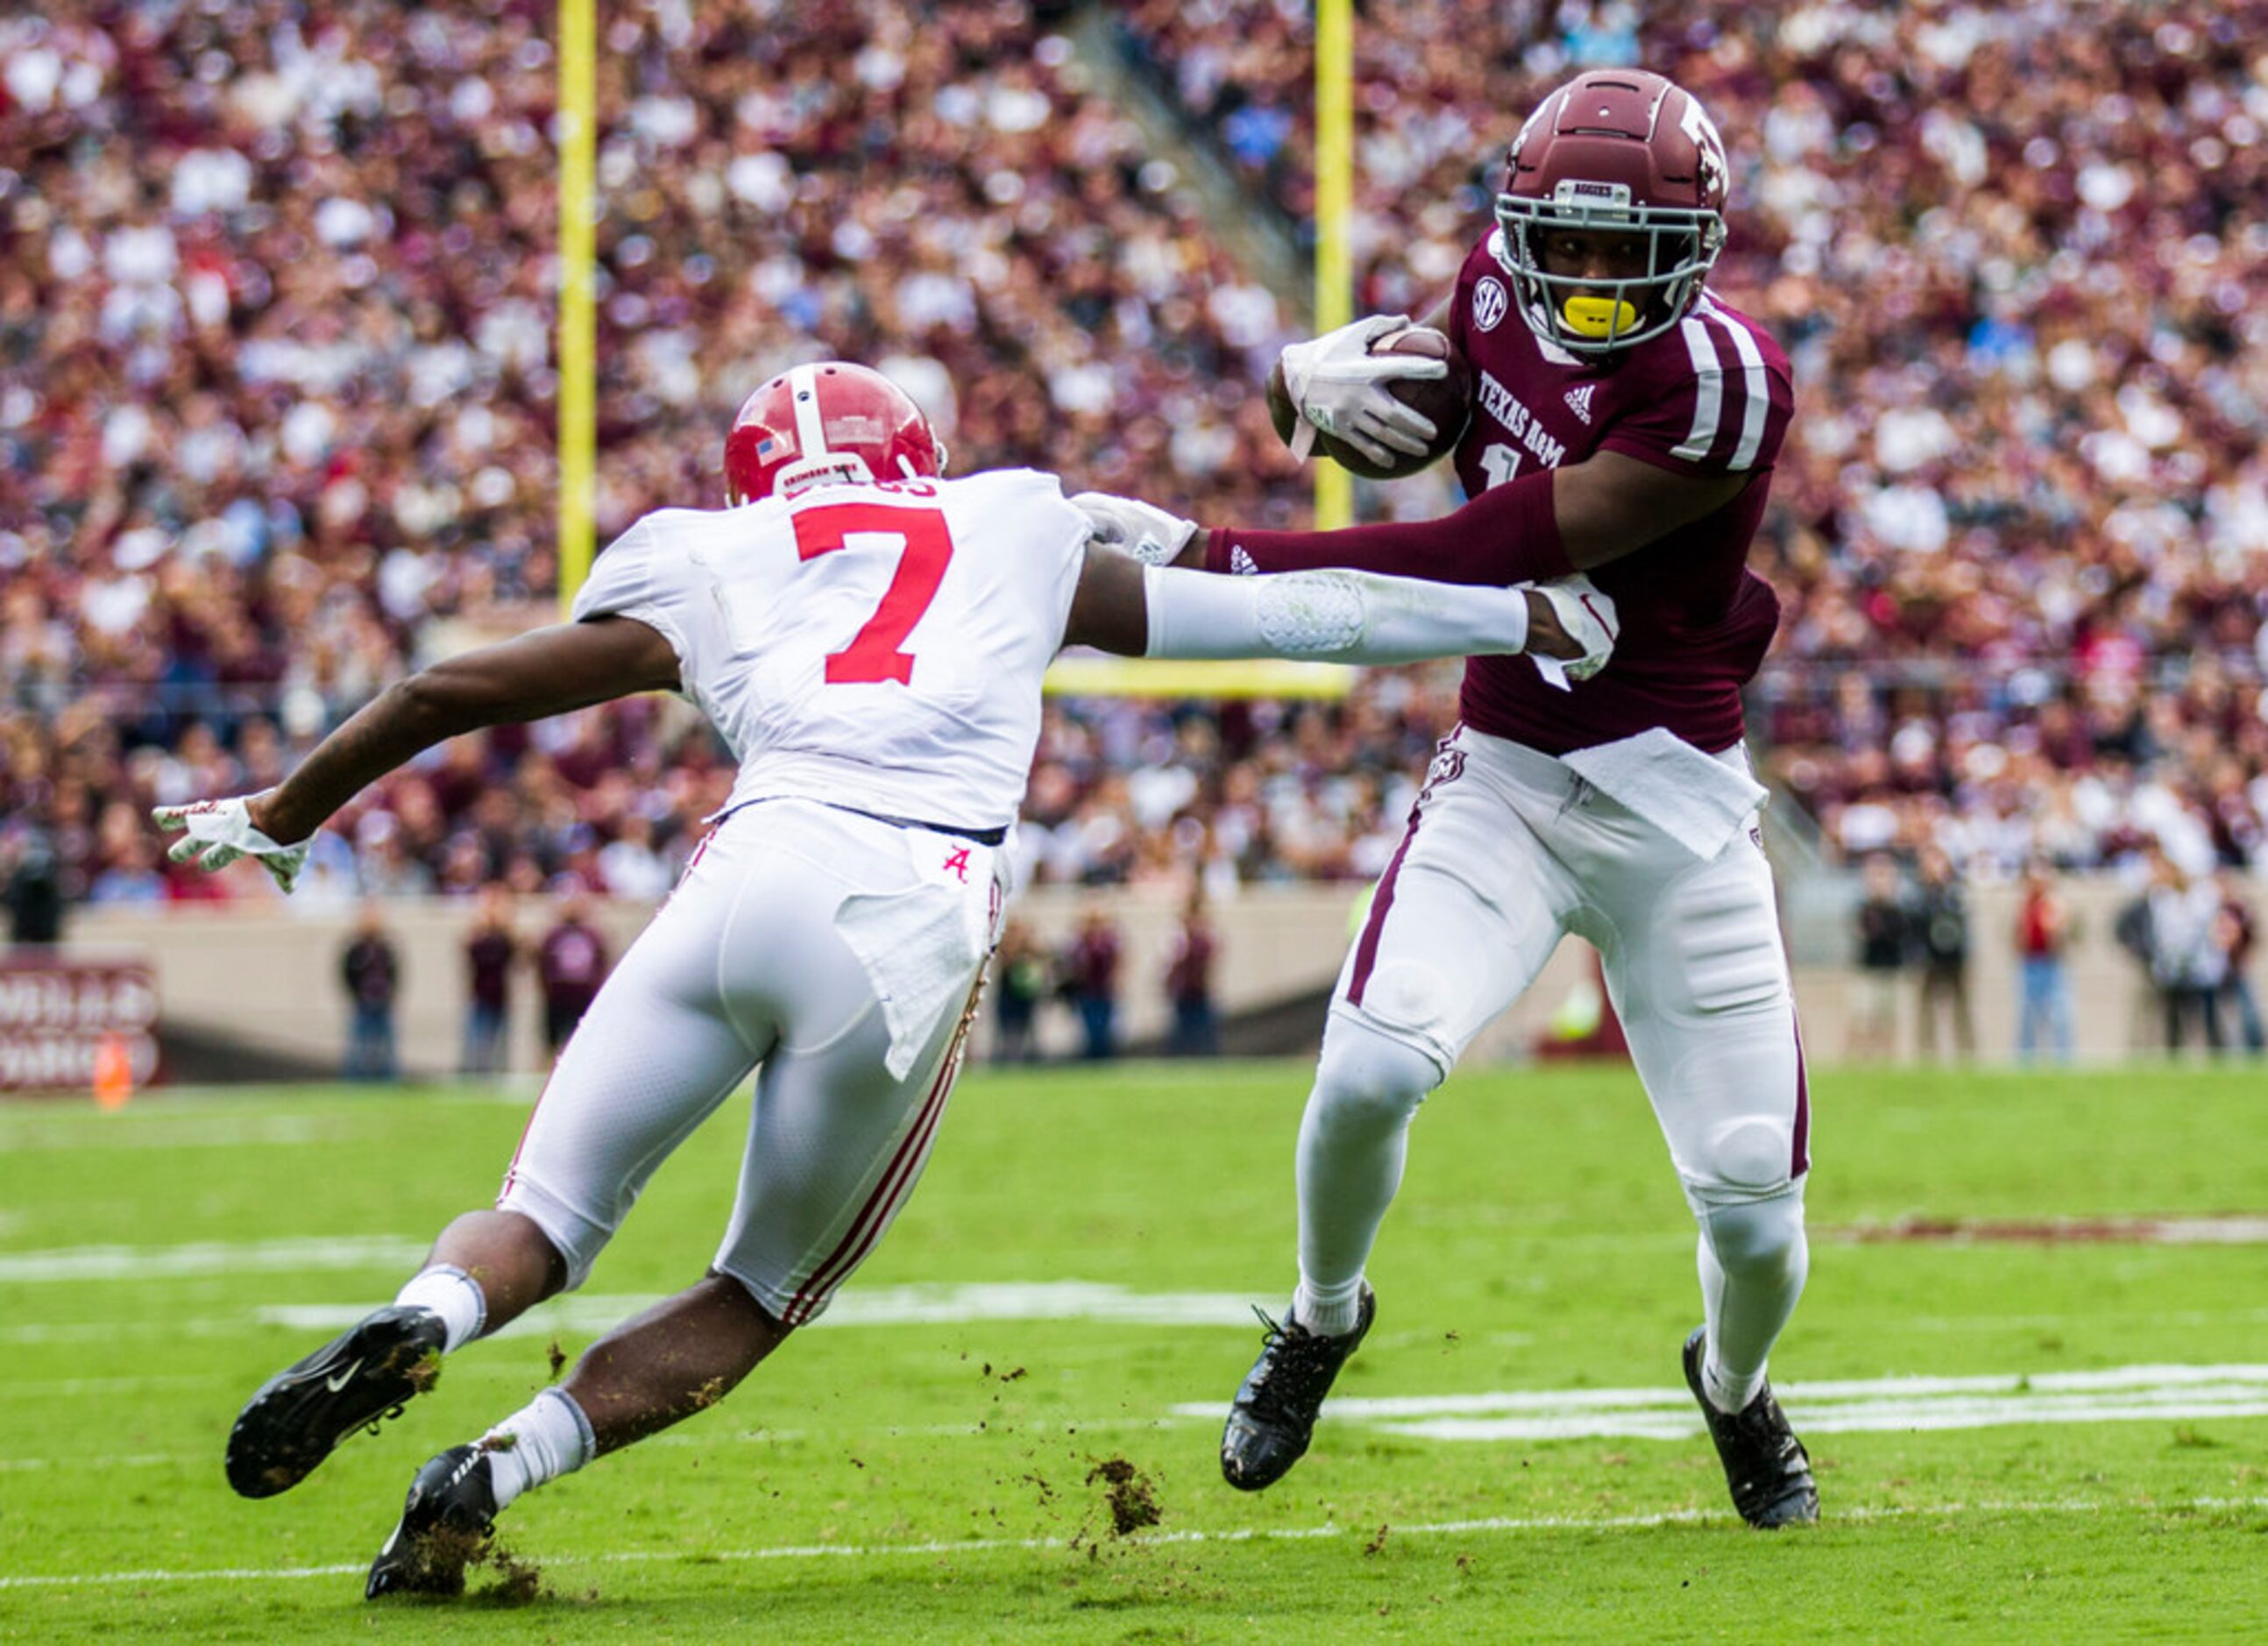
(828, 423)
(1617, 152)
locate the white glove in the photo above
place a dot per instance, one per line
(221, 831)
(1588, 614)
(1153, 535)
(1338, 385)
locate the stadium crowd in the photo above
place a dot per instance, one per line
(276, 392)
(277, 388)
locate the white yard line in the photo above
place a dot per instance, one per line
(183, 1131)
(875, 1306)
(211, 1256)
(1493, 1524)
(1824, 1407)
(135, 1460)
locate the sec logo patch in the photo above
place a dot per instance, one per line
(1490, 303)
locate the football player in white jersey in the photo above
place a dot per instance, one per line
(869, 638)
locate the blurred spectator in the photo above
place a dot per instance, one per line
(1885, 934)
(629, 865)
(2131, 929)
(490, 951)
(1020, 968)
(2189, 961)
(1188, 983)
(130, 875)
(1940, 928)
(1089, 969)
(2238, 929)
(2042, 931)
(31, 883)
(372, 972)
(571, 963)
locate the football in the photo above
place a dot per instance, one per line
(1447, 401)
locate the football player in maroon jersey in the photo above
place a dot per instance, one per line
(1625, 424)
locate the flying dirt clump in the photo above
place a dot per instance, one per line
(1133, 1505)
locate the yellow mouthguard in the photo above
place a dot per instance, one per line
(1599, 316)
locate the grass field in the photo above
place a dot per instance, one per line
(2091, 1465)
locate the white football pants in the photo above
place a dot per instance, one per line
(744, 969)
(1506, 850)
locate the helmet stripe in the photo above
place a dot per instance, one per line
(803, 394)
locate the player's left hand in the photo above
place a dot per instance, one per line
(218, 832)
(1576, 638)
(1153, 535)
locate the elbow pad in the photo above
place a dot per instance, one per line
(1299, 614)
(1309, 614)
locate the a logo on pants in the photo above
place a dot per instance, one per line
(1449, 766)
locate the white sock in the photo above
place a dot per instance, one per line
(449, 1292)
(1352, 1140)
(548, 1437)
(1328, 1314)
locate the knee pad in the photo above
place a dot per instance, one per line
(1365, 1078)
(1417, 1003)
(1748, 1158)
(1753, 1235)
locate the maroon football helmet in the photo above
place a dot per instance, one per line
(1616, 151)
(830, 424)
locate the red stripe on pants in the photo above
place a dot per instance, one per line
(1365, 951)
(1800, 1156)
(871, 1216)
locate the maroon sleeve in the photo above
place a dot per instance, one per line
(1509, 533)
(1723, 410)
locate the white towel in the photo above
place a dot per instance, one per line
(1698, 800)
(921, 949)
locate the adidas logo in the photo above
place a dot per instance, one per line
(1242, 563)
(1579, 401)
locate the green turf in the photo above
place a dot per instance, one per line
(1540, 1244)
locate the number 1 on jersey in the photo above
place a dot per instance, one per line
(1499, 462)
(924, 547)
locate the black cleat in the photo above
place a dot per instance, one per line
(1765, 1465)
(358, 1378)
(1273, 1415)
(446, 1522)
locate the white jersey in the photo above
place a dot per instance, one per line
(879, 648)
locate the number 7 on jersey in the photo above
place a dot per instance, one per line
(924, 548)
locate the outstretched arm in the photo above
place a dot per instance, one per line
(1335, 616)
(1541, 526)
(548, 671)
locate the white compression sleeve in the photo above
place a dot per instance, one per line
(1329, 617)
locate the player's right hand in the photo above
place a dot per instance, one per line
(1578, 638)
(218, 832)
(1153, 535)
(1338, 385)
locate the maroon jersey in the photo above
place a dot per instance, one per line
(1711, 396)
